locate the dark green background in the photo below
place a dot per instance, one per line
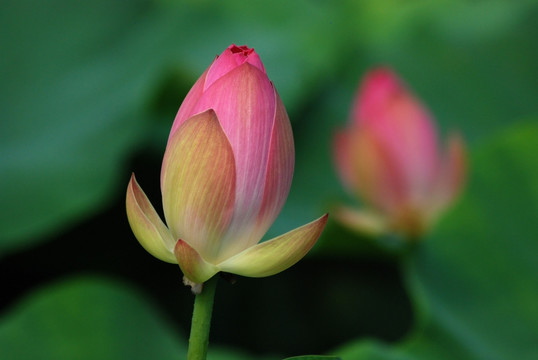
(88, 93)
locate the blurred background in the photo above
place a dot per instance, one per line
(88, 92)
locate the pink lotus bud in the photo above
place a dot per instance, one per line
(225, 176)
(389, 157)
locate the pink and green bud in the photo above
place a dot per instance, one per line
(389, 157)
(225, 176)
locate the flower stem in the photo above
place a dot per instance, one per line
(201, 321)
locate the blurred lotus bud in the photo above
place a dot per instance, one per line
(225, 176)
(389, 157)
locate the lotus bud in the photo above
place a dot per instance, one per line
(226, 174)
(389, 157)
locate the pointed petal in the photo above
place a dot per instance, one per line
(363, 221)
(198, 183)
(244, 101)
(276, 255)
(231, 58)
(193, 266)
(146, 224)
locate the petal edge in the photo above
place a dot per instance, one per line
(146, 224)
(198, 183)
(275, 255)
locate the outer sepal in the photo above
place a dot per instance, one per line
(276, 255)
(146, 224)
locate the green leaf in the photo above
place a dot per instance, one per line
(474, 280)
(87, 318)
(72, 99)
(94, 318)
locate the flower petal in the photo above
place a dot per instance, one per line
(403, 126)
(231, 58)
(244, 100)
(379, 180)
(276, 255)
(279, 173)
(146, 224)
(198, 183)
(193, 266)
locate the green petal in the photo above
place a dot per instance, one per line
(198, 183)
(276, 255)
(146, 224)
(193, 266)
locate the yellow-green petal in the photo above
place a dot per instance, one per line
(146, 224)
(276, 255)
(198, 183)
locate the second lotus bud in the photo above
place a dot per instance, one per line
(389, 157)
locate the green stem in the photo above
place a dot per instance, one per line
(201, 321)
